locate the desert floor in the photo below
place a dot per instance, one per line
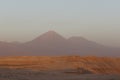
(24, 74)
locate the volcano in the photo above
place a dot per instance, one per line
(52, 43)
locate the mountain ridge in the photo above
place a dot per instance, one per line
(52, 43)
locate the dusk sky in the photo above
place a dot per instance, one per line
(97, 20)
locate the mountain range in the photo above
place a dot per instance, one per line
(52, 43)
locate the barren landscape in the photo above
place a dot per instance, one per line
(59, 40)
(25, 61)
(59, 68)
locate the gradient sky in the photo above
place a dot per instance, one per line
(97, 20)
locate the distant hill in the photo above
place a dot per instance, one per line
(51, 43)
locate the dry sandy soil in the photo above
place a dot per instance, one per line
(21, 74)
(59, 68)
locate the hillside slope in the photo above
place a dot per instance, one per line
(96, 65)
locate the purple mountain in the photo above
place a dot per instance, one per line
(51, 43)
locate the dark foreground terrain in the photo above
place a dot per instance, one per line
(22, 74)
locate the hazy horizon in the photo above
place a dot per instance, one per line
(96, 20)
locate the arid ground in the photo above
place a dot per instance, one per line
(59, 68)
(22, 74)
